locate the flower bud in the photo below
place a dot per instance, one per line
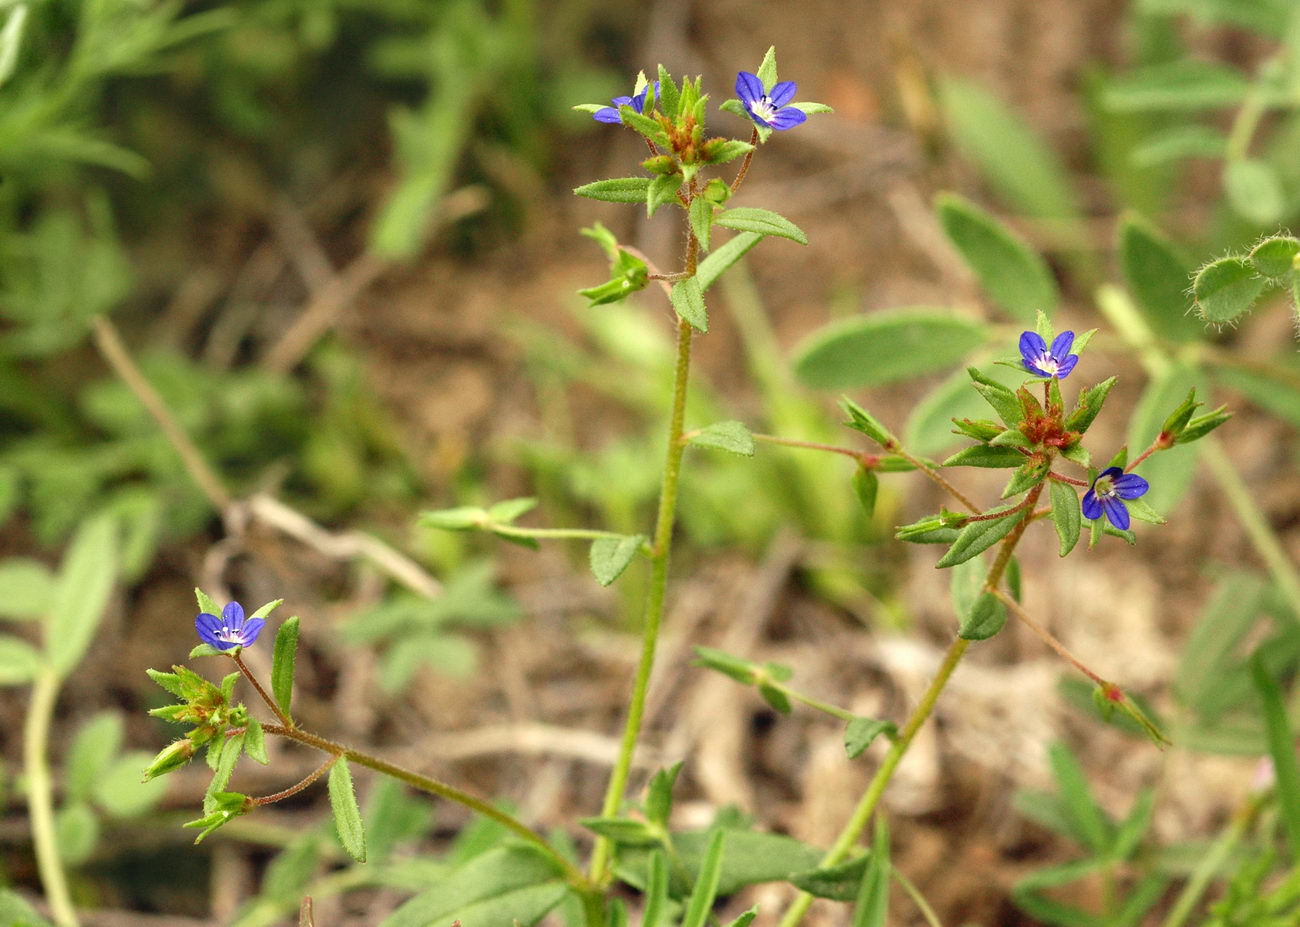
(660, 164)
(173, 756)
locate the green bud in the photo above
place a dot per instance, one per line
(979, 429)
(1202, 425)
(717, 191)
(173, 756)
(1178, 419)
(660, 164)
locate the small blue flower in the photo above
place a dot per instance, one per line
(1042, 361)
(610, 113)
(769, 110)
(230, 630)
(1107, 492)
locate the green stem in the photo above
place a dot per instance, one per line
(833, 710)
(857, 823)
(1212, 863)
(40, 797)
(654, 612)
(436, 787)
(857, 455)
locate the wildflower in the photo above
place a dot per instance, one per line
(769, 110)
(1042, 361)
(610, 113)
(230, 630)
(1107, 492)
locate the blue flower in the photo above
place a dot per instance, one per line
(1042, 361)
(769, 110)
(230, 630)
(1108, 492)
(610, 113)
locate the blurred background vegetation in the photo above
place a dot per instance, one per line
(336, 238)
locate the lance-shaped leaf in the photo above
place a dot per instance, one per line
(282, 664)
(1066, 514)
(761, 222)
(1011, 272)
(979, 536)
(1089, 405)
(347, 816)
(688, 301)
(983, 455)
(885, 347)
(81, 592)
(616, 190)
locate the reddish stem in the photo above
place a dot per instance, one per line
(295, 789)
(1066, 479)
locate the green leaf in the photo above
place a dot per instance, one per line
(860, 732)
(751, 858)
(659, 795)
(81, 593)
(505, 884)
(230, 752)
(207, 650)
(775, 697)
(1275, 257)
(1158, 276)
(688, 302)
(862, 420)
(979, 536)
(93, 748)
(616, 190)
(986, 618)
(706, 883)
(669, 96)
(282, 664)
(1003, 400)
(1281, 747)
(937, 420)
(726, 436)
(16, 912)
(767, 69)
(626, 832)
(255, 742)
(347, 816)
(663, 189)
(19, 661)
(747, 918)
(871, 908)
(119, 791)
(1030, 474)
(738, 669)
(506, 511)
(1209, 654)
(884, 347)
(1011, 155)
(225, 807)
(76, 831)
(722, 257)
(761, 222)
(866, 486)
(1089, 405)
(1225, 289)
(1066, 514)
(207, 604)
(1179, 142)
(1088, 823)
(1169, 471)
(983, 455)
(610, 556)
(656, 905)
(701, 216)
(1176, 86)
(266, 609)
(26, 589)
(1011, 272)
(1254, 190)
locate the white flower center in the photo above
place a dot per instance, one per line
(1046, 363)
(763, 108)
(1104, 487)
(229, 635)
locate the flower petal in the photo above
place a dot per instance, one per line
(625, 101)
(788, 118)
(207, 626)
(1130, 486)
(251, 630)
(608, 114)
(748, 87)
(1110, 472)
(754, 116)
(1032, 347)
(638, 101)
(1064, 367)
(1032, 368)
(1116, 513)
(1061, 345)
(232, 616)
(1091, 505)
(782, 93)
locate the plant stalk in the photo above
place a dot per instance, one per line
(857, 823)
(660, 550)
(40, 798)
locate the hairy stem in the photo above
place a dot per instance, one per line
(435, 787)
(661, 548)
(40, 798)
(861, 817)
(270, 702)
(298, 786)
(857, 455)
(744, 165)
